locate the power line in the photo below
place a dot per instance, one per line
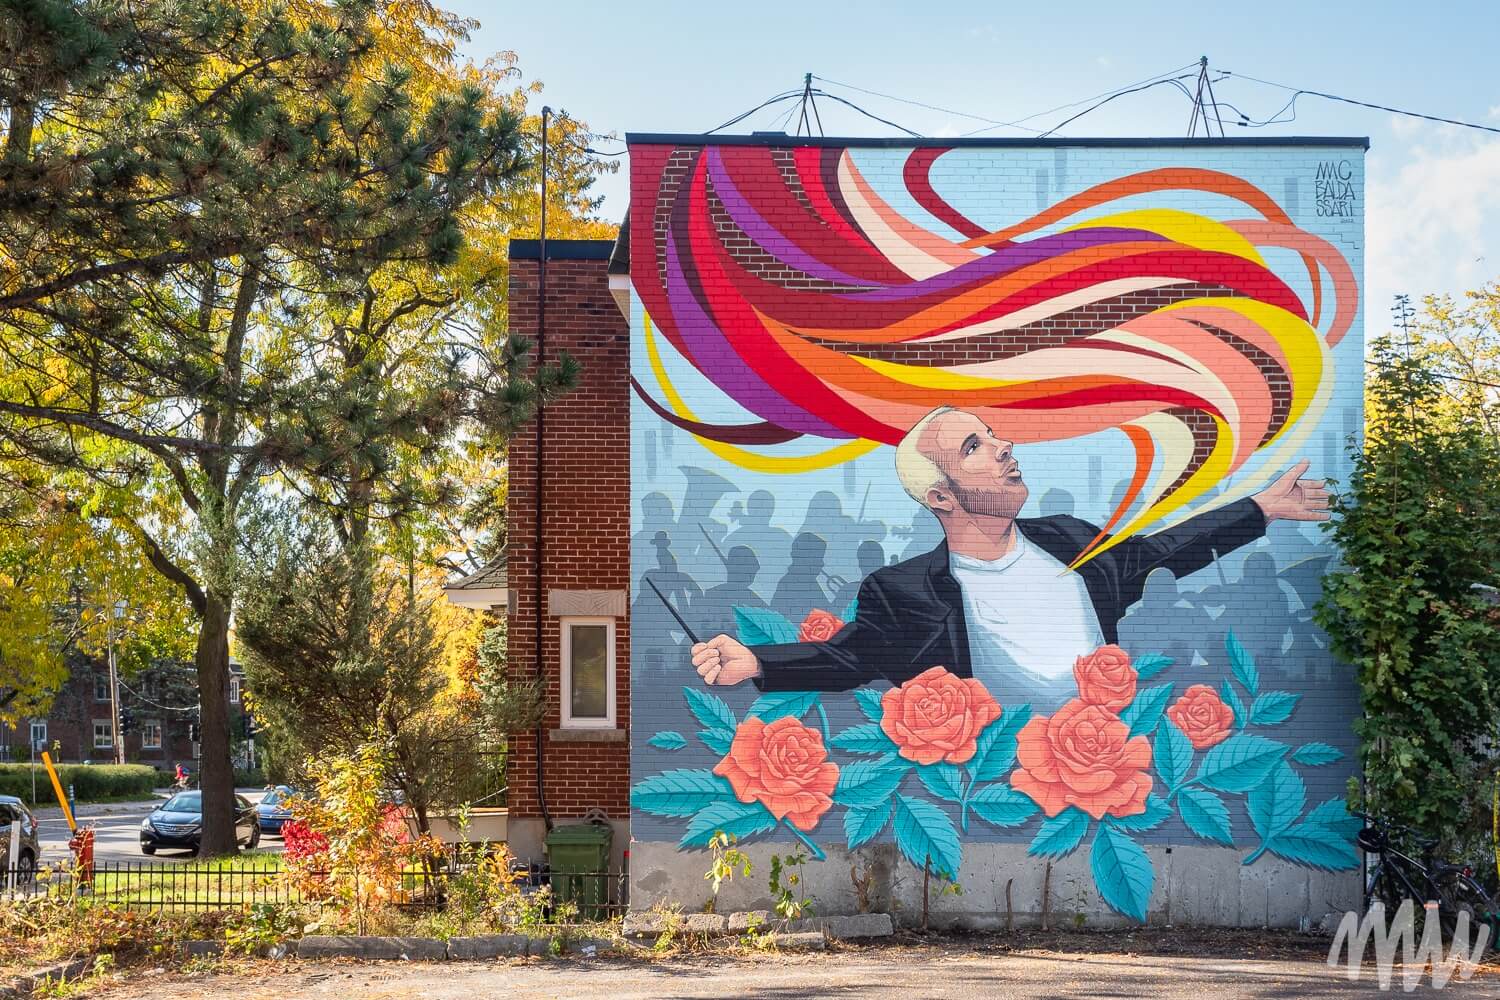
(1297, 91)
(1110, 94)
(142, 698)
(923, 104)
(1175, 81)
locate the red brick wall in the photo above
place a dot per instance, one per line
(585, 525)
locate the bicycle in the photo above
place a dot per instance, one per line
(1397, 876)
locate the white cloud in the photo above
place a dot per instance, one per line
(1495, 111)
(1105, 62)
(1433, 221)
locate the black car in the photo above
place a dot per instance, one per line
(178, 823)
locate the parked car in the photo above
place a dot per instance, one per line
(271, 811)
(178, 822)
(12, 812)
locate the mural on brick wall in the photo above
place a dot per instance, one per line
(976, 496)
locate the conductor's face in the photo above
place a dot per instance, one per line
(984, 478)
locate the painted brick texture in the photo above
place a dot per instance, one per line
(1155, 333)
(585, 524)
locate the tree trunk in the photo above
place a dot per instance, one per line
(216, 770)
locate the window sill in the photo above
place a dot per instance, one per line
(584, 735)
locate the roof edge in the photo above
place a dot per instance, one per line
(562, 249)
(899, 142)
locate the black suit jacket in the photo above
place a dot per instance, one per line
(910, 615)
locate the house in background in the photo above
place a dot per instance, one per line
(159, 721)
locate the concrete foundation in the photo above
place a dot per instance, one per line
(1194, 885)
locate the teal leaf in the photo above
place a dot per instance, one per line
(1334, 815)
(1275, 803)
(1174, 755)
(945, 781)
(924, 831)
(1060, 835)
(1240, 762)
(667, 739)
(1122, 872)
(851, 611)
(1315, 847)
(1273, 708)
(1205, 814)
(867, 783)
(717, 740)
(1315, 754)
(1243, 664)
(1232, 699)
(995, 749)
(1142, 714)
(863, 825)
(868, 738)
(679, 793)
(1001, 805)
(1156, 813)
(762, 626)
(738, 819)
(869, 703)
(770, 707)
(1151, 664)
(709, 709)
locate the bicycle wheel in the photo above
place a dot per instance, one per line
(1461, 893)
(1382, 887)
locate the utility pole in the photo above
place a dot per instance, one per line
(1203, 101)
(115, 611)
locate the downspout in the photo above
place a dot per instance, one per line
(541, 346)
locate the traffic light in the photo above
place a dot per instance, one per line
(127, 720)
(192, 732)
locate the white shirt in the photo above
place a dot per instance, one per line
(1025, 613)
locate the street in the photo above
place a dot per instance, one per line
(117, 828)
(897, 972)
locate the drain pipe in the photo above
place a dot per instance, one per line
(541, 346)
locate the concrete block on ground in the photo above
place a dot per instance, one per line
(746, 920)
(805, 941)
(644, 923)
(704, 923)
(469, 949)
(380, 949)
(859, 925)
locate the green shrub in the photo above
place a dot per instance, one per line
(91, 782)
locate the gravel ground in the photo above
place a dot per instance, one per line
(1189, 967)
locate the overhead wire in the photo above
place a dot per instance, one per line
(1297, 91)
(1176, 81)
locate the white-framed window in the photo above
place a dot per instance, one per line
(104, 735)
(101, 687)
(151, 736)
(234, 690)
(588, 673)
(39, 734)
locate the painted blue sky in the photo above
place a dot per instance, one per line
(1433, 199)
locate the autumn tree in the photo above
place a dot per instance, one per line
(172, 178)
(1412, 609)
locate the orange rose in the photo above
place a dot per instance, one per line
(819, 626)
(1083, 756)
(1202, 716)
(1105, 678)
(937, 716)
(784, 766)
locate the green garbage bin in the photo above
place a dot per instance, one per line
(578, 858)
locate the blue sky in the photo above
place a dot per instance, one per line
(1433, 196)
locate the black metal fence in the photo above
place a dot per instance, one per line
(167, 887)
